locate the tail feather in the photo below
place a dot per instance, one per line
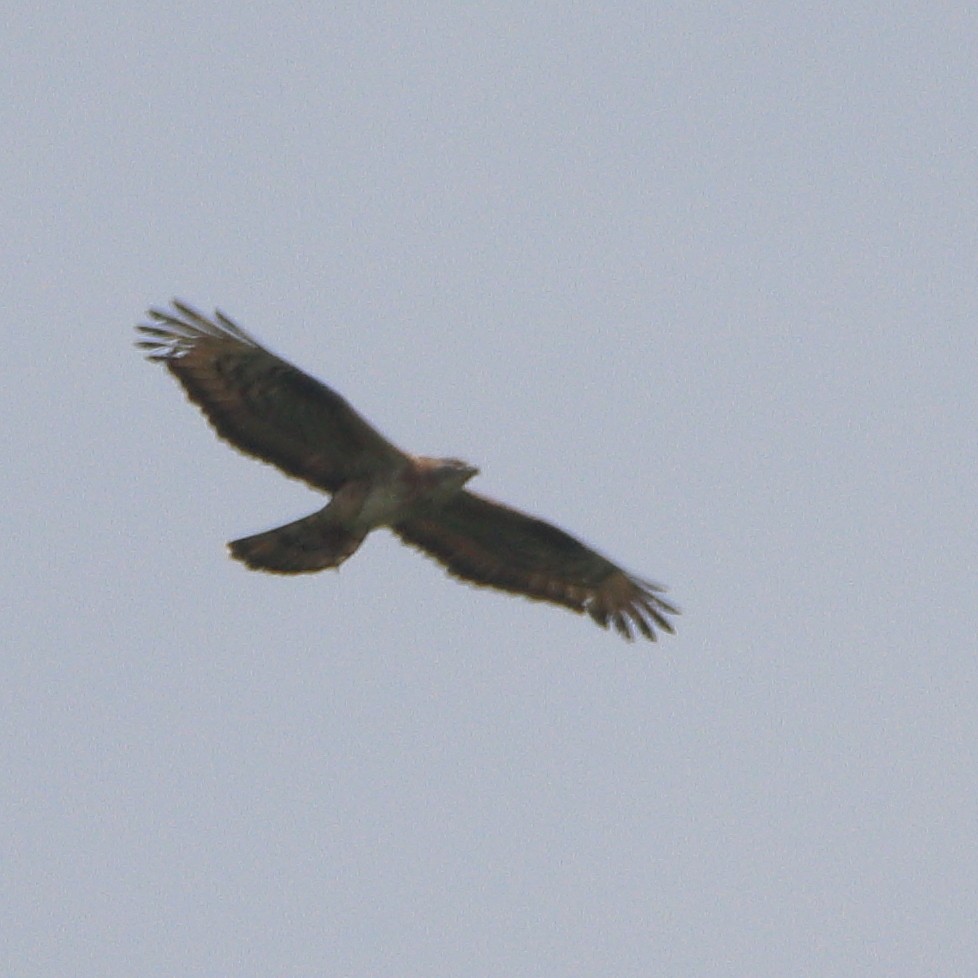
(311, 544)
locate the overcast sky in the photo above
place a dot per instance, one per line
(697, 282)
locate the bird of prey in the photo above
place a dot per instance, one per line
(273, 411)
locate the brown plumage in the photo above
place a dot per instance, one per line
(275, 412)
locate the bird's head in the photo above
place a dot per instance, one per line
(443, 477)
(454, 473)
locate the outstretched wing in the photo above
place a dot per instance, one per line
(263, 405)
(489, 544)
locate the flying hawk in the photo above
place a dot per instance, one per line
(271, 410)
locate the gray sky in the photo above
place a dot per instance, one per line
(696, 282)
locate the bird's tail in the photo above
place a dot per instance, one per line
(313, 543)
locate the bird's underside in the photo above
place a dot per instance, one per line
(273, 411)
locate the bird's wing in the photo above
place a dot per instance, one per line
(262, 404)
(489, 544)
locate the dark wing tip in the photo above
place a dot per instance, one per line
(639, 608)
(651, 606)
(173, 333)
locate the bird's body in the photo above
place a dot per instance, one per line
(270, 409)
